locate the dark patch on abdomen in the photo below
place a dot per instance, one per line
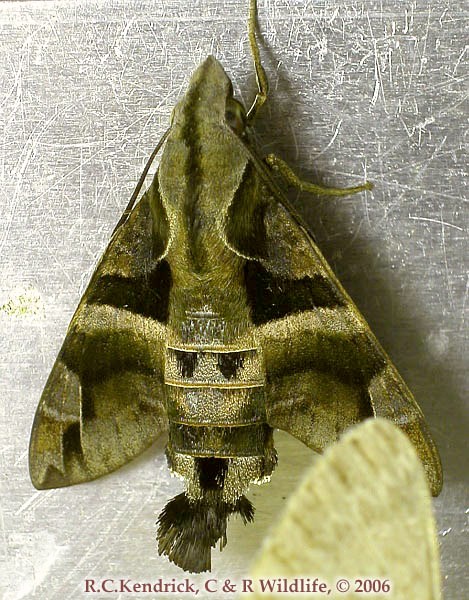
(212, 472)
(186, 361)
(219, 442)
(229, 363)
(272, 298)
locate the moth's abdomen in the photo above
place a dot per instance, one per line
(220, 406)
(219, 440)
(216, 408)
(215, 382)
(210, 395)
(213, 368)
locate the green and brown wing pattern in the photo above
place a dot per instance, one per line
(325, 370)
(103, 402)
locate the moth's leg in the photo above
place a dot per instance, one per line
(277, 164)
(262, 82)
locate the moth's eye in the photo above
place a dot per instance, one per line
(235, 116)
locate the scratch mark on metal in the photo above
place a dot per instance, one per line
(34, 500)
(445, 257)
(445, 223)
(92, 550)
(423, 58)
(378, 76)
(463, 311)
(460, 57)
(336, 133)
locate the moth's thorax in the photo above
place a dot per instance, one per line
(200, 172)
(206, 96)
(202, 162)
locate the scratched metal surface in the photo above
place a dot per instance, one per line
(358, 89)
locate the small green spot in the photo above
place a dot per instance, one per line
(23, 302)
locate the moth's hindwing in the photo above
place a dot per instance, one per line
(325, 370)
(103, 402)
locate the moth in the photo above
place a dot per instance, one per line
(213, 315)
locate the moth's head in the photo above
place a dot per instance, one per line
(209, 99)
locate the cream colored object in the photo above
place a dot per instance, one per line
(363, 512)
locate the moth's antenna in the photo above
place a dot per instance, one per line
(262, 82)
(141, 181)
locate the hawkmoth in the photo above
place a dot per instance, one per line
(213, 314)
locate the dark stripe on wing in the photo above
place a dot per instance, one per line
(147, 296)
(272, 298)
(351, 357)
(98, 355)
(71, 440)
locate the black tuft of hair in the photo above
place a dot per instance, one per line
(189, 529)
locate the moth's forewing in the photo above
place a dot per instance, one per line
(325, 370)
(103, 402)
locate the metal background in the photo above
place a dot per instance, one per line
(358, 89)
